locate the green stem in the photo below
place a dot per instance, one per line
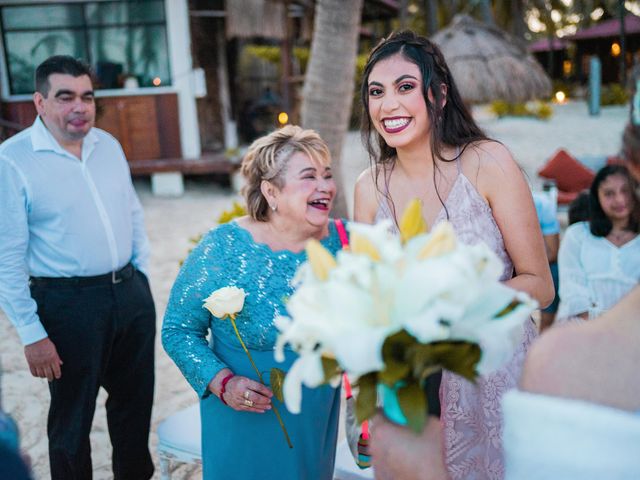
(246, 350)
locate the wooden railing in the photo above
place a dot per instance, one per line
(8, 128)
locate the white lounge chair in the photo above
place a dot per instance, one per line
(179, 442)
(179, 439)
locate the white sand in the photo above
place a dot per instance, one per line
(171, 222)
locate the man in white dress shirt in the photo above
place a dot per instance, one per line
(73, 260)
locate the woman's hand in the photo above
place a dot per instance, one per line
(246, 395)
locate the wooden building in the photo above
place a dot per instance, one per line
(572, 54)
(553, 56)
(171, 82)
(603, 41)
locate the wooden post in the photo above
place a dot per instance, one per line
(623, 54)
(431, 14)
(285, 60)
(404, 5)
(595, 71)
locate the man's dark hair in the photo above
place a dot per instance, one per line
(63, 64)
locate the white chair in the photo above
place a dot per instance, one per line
(179, 439)
(346, 468)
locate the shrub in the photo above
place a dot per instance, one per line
(271, 54)
(613, 94)
(540, 110)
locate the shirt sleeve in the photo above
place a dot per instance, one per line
(573, 290)
(546, 215)
(186, 322)
(15, 296)
(141, 249)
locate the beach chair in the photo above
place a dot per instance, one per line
(179, 439)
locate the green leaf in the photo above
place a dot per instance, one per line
(393, 372)
(367, 397)
(394, 355)
(457, 357)
(330, 368)
(508, 309)
(413, 403)
(276, 379)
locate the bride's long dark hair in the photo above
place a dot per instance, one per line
(452, 125)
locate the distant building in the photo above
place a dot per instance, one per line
(603, 40)
(572, 54)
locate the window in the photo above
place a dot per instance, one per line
(120, 39)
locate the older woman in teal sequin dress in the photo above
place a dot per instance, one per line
(289, 194)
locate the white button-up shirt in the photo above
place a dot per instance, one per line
(61, 216)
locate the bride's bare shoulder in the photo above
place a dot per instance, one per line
(367, 192)
(593, 361)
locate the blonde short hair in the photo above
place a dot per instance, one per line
(267, 159)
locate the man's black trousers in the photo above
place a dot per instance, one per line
(104, 330)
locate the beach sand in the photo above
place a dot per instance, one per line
(172, 222)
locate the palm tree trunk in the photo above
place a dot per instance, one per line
(329, 81)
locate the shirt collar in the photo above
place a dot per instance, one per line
(43, 140)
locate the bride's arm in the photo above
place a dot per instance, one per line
(365, 203)
(503, 185)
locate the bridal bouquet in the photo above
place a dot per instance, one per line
(388, 311)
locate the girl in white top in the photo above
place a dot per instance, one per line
(599, 260)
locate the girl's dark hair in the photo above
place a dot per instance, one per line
(452, 125)
(599, 224)
(579, 208)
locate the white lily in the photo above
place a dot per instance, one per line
(306, 370)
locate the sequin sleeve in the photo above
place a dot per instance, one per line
(186, 322)
(228, 256)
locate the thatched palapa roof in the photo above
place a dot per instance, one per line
(263, 19)
(489, 64)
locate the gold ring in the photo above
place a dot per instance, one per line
(248, 403)
(246, 394)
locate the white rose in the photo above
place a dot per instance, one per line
(225, 301)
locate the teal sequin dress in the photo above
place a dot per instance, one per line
(242, 444)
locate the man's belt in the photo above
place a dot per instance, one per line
(125, 273)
